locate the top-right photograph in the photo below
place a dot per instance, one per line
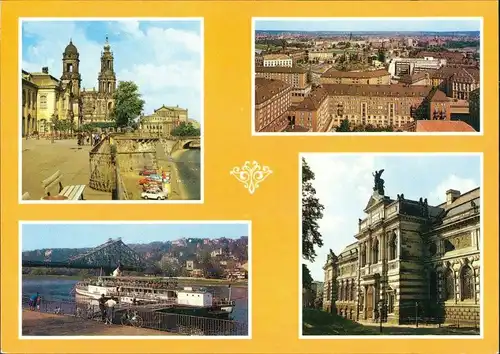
(329, 76)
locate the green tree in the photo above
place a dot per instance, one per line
(344, 126)
(381, 55)
(185, 129)
(312, 211)
(306, 277)
(128, 103)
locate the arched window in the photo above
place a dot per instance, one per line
(348, 291)
(340, 292)
(467, 283)
(449, 285)
(363, 255)
(353, 293)
(392, 246)
(375, 251)
(24, 98)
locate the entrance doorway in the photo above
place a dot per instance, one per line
(369, 302)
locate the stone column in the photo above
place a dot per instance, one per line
(398, 243)
(374, 301)
(365, 302)
(477, 280)
(456, 276)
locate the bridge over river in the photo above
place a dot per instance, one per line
(107, 256)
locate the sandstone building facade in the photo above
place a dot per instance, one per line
(163, 120)
(410, 257)
(64, 99)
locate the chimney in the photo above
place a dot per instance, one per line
(45, 70)
(451, 196)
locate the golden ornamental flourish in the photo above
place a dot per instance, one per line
(251, 174)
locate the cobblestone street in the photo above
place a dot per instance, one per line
(41, 159)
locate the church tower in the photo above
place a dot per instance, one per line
(107, 77)
(71, 70)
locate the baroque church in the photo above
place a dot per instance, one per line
(46, 98)
(409, 259)
(92, 105)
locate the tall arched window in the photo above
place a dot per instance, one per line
(375, 249)
(340, 292)
(353, 292)
(467, 283)
(363, 255)
(450, 285)
(392, 246)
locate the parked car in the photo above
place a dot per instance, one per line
(149, 180)
(154, 194)
(147, 172)
(151, 185)
(155, 177)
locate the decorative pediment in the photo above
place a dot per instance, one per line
(373, 201)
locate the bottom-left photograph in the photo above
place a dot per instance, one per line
(135, 279)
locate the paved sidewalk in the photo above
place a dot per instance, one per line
(46, 324)
(41, 159)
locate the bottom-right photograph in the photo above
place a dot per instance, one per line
(391, 244)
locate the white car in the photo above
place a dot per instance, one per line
(157, 195)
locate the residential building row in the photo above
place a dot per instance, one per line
(285, 98)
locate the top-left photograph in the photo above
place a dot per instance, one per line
(111, 110)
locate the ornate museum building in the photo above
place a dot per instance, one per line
(46, 98)
(409, 259)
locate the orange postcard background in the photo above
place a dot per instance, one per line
(273, 209)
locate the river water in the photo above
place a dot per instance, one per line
(59, 289)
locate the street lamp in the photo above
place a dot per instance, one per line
(380, 313)
(53, 127)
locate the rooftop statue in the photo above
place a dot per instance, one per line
(378, 182)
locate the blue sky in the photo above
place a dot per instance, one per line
(38, 236)
(344, 185)
(163, 57)
(382, 24)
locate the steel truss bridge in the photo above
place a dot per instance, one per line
(107, 256)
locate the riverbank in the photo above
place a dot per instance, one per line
(46, 324)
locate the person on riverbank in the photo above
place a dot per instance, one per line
(110, 304)
(33, 301)
(102, 307)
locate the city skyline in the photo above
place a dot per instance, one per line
(357, 24)
(344, 201)
(86, 235)
(144, 51)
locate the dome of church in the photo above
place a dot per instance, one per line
(70, 48)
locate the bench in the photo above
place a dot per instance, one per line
(72, 192)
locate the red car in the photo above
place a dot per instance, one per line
(147, 172)
(146, 180)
